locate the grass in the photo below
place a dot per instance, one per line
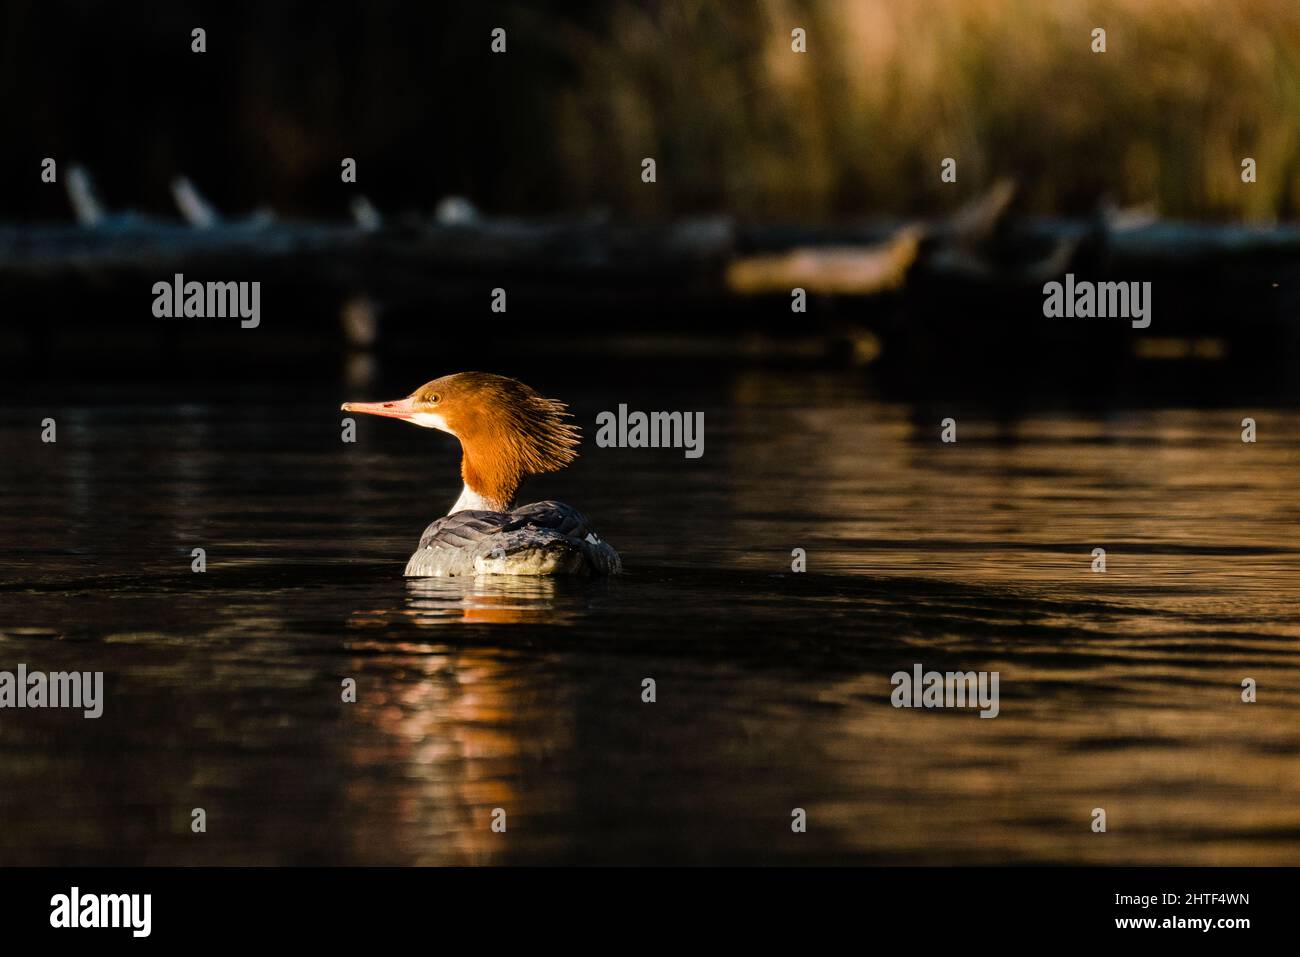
(860, 123)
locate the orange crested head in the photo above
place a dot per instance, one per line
(506, 430)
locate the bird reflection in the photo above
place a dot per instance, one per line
(485, 599)
(461, 723)
(444, 740)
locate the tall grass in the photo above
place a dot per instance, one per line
(859, 124)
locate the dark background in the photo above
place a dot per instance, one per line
(743, 129)
(283, 93)
(854, 128)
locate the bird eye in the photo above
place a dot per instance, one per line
(433, 398)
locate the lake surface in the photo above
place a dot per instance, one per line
(1119, 690)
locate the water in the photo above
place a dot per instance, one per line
(1119, 690)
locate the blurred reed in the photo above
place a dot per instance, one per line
(860, 123)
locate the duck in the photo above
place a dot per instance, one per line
(507, 431)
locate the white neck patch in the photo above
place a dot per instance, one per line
(470, 499)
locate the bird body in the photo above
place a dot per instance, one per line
(545, 538)
(506, 431)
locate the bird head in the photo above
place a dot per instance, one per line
(506, 430)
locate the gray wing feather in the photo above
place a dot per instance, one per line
(544, 538)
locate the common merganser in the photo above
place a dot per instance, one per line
(506, 431)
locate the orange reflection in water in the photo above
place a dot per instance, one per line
(448, 715)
